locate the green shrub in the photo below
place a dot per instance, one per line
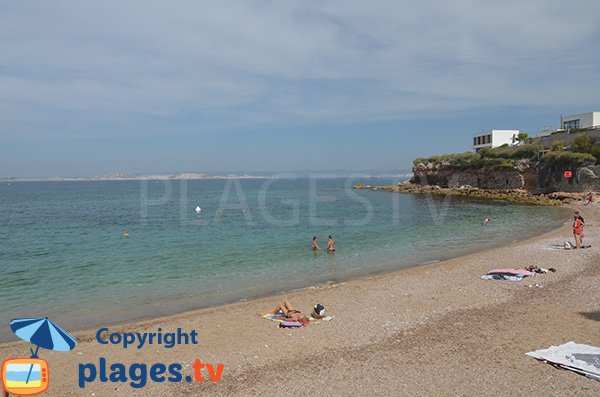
(558, 146)
(453, 159)
(526, 151)
(468, 160)
(487, 152)
(595, 151)
(567, 159)
(582, 144)
(498, 164)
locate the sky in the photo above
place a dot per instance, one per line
(92, 87)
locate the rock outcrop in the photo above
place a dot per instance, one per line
(513, 195)
(522, 182)
(522, 176)
(584, 179)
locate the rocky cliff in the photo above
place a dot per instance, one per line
(523, 175)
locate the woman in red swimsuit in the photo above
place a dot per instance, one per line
(578, 224)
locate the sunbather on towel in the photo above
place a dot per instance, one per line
(289, 312)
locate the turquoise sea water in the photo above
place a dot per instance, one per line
(63, 254)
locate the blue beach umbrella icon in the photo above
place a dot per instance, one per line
(42, 333)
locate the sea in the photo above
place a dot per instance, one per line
(64, 253)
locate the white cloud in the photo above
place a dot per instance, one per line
(76, 67)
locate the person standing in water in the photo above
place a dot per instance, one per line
(578, 224)
(315, 244)
(330, 244)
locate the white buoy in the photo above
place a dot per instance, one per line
(198, 209)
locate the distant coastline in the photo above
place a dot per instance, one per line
(124, 176)
(132, 177)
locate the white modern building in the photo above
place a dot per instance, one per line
(583, 120)
(494, 138)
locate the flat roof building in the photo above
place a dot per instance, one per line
(494, 138)
(583, 120)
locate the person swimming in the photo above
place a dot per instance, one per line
(485, 221)
(126, 233)
(315, 243)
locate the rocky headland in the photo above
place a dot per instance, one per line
(523, 175)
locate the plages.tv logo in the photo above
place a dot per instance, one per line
(30, 376)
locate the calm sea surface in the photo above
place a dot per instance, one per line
(63, 254)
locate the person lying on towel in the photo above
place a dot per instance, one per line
(289, 313)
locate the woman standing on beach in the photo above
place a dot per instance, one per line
(578, 224)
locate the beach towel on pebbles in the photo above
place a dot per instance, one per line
(291, 324)
(283, 323)
(507, 274)
(583, 359)
(566, 246)
(279, 317)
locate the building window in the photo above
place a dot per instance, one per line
(567, 125)
(489, 138)
(474, 141)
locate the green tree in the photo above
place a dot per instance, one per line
(522, 137)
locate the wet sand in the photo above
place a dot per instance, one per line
(434, 330)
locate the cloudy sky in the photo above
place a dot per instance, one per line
(89, 87)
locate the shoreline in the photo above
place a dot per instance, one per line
(88, 332)
(424, 330)
(393, 267)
